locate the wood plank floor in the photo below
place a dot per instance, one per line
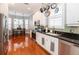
(24, 45)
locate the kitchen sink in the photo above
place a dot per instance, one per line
(53, 34)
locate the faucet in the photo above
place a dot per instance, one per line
(71, 30)
(53, 29)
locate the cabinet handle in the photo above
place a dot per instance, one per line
(42, 41)
(76, 45)
(52, 46)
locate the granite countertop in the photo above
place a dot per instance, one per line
(74, 41)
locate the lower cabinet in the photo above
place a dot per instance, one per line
(49, 43)
(56, 46)
(43, 40)
(38, 38)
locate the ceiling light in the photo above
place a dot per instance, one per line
(12, 3)
(29, 8)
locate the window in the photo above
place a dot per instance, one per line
(56, 23)
(51, 23)
(26, 23)
(56, 20)
(17, 22)
(9, 23)
(20, 22)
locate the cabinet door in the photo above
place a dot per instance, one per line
(43, 41)
(72, 14)
(54, 46)
(47, 42)
(38, 38)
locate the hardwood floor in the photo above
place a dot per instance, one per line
(24, 45)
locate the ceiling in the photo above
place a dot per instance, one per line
(26, 8)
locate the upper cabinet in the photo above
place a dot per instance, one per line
(72, 14)
(56, 18)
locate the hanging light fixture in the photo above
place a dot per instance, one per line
(53, 5)
(47, 13)
(48, 6)
(45, 8)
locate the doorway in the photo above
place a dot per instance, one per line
(18, 30)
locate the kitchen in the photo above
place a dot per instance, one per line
(54, 27)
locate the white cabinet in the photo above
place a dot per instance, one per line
(54, 45)
(72, 14)
(38, 16)
(43, 40)
(38, 38)
(49, 43)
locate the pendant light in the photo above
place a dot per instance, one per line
(53, 5)
(45, 8)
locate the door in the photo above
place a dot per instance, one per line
(38, 38)
(47, 43)
(54, 45)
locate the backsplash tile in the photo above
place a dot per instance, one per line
(74, 29)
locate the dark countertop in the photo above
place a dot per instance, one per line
(74, 41)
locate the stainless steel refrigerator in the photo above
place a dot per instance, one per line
(3, 34)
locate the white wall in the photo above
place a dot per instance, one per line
(4, 9)
(30, 22)
(39, 16)
(57, 20)
(44, 20)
